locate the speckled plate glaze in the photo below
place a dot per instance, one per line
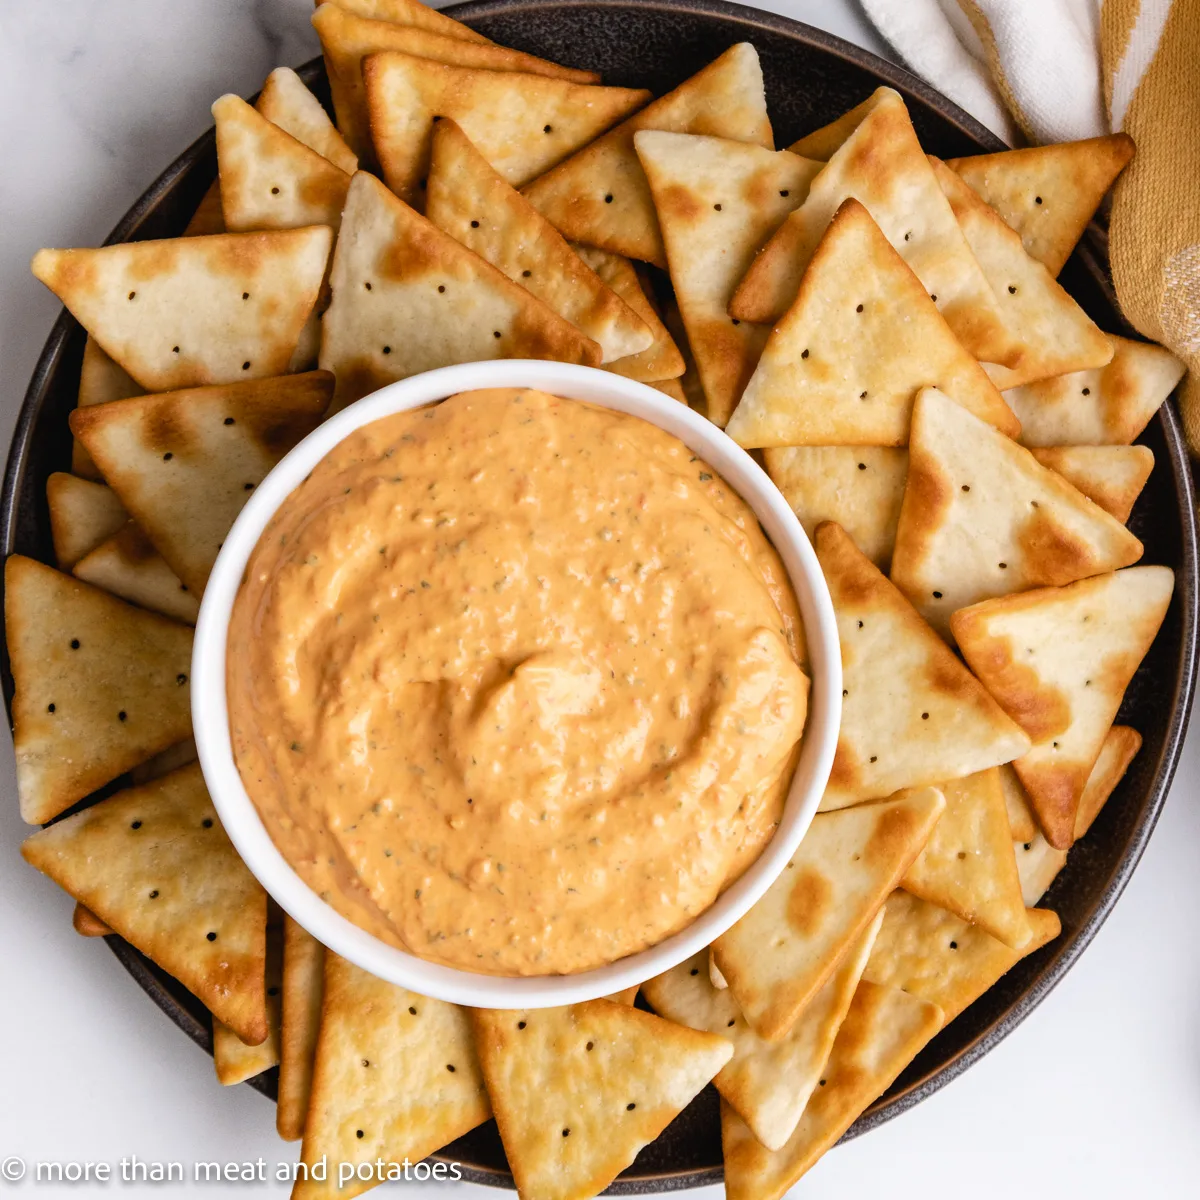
(811, 77)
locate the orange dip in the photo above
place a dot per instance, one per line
(513, 682)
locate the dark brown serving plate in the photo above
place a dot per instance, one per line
(811, 78)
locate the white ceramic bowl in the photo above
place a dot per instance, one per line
(242, 822)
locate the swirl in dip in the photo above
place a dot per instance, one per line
(513, 682)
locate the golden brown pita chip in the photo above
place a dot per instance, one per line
(396, 1078)
(269, 180)
(196, 310)
(468, 200)
(938, 957)
(600, 195)
(1021, 821)
(881, 164)
(783, 951)
(861, 339)
(967, 866)
(236, 1061)
(286, 102)
(1053, 334)
(303, 988)
(185, 462)
(1107, 406)
(1110, 476)
(578, 1091)
(155, 865)
(982, 517)
(128, 565)
(82, 515)
(87, 924)
(1058, 660)
(413, 13)
(100, 380)
(407, 297)
(208, 217)
(823, 143)
(883, 1032)
(768, 1083)
(672, 388)
(1048, 193)
(717, 201)
(912, 714)
(859, 487)
(100, 685)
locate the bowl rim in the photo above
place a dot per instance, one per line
(249, 834)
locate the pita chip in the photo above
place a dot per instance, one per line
(600, 195)
(1048, 194)
(672, 388)
(154, 864)
(661, 360)
(396, 1077)
(578, 1091)
(414, 14)
(87, 924)
(968, 866)
(163, 763)
(626, 996)
(100, 685)
(1058, 660)
(982, 517)
(1021, 821)
(286, 102)
(883, 1032)
(767, 1083)
(347, 38)
(912, 714)
(303, 986)
(1106, 406)
(185, 462)
(717, 201)
(1053, 334)
(100, 380)
(845, 363)
(714, 974)
(269, 180)
(823, 143)
(208, 217)
(82, 515)
(783, 951)
(1110, 476)
(236, 1061)
(859, 487)
(881, 165)
(197, 310)
(940, 958)
(407, 297)
(128, 565)
(468, 200)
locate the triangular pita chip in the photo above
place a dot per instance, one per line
(783, 951)
(982, 517)
(82, 515)
(468, 200)
(859, 487)
(1058, 660)
(967, 866)
(347, 38)
(185, 462)
(717, 201)
(412, 13)
(100, 685)
(198, 310)
(823, 143)
(208, 217)
(578, 1091)
(286, 102)
(768, 1083)
(269, 180)
(128, 565)
(521, 124)
(396, 1078)
(100, 380)
(912, 714)
(883, 166)
(883, 1032)
(600, 196)
(303, 987)
(1021, 821)
(862, 338)
(87, 924)
(1106, 406)
(1110, 476)
(1053, 334)
(236, 1061)
(661, 360)
(938, 957)
(407, 298)
(155, 865)
(1048, 193)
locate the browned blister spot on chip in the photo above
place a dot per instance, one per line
(809, 903)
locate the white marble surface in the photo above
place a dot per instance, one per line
(1097, 1094)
